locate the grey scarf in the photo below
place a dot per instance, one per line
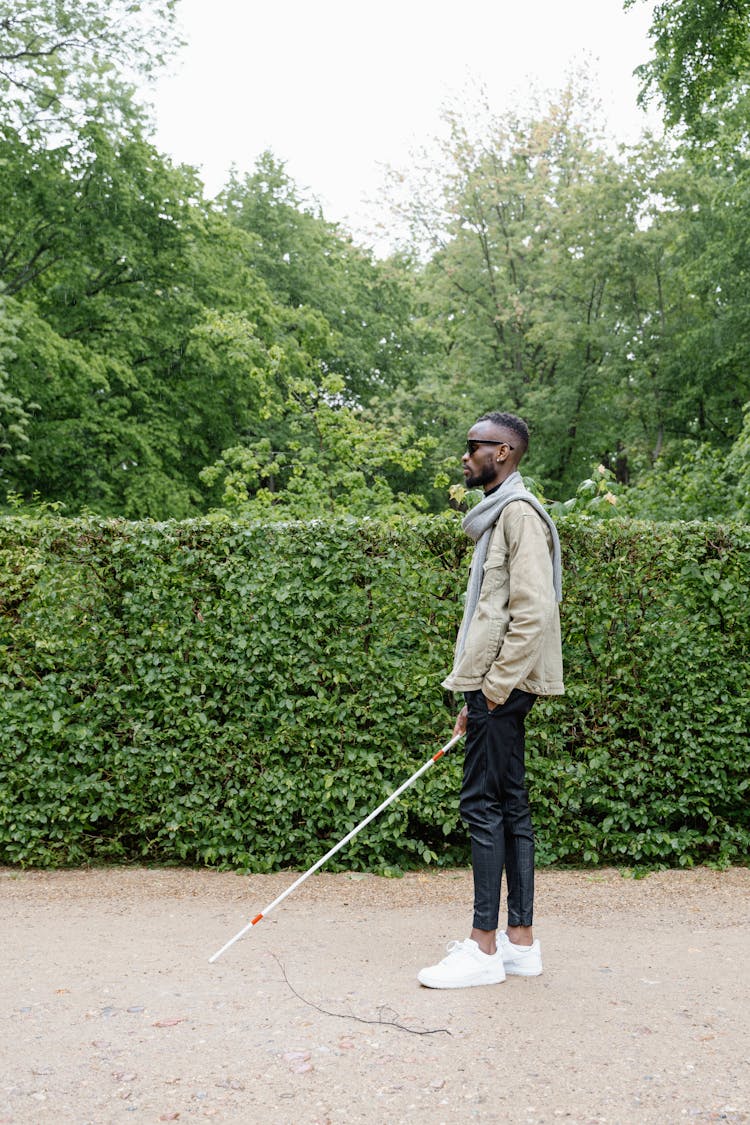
(478, 524)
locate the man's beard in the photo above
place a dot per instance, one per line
(480, 479)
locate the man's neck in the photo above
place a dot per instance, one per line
(499, 483)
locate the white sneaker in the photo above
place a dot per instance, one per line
(464, 967)
(520, 960)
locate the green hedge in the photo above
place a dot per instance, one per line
(242, 695)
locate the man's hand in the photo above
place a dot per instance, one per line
(460, 727)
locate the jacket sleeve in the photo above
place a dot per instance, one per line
(531, 600)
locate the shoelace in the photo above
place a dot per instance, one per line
(455, 946)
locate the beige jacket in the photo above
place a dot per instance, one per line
(513, 639)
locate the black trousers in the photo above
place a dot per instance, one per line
(495, 806)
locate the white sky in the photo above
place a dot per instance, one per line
(338, 89)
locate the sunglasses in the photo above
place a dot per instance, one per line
(472, 446)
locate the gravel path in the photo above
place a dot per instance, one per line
(111, 1013)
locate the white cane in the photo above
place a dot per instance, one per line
(350, 836)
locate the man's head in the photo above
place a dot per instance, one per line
(496, 443)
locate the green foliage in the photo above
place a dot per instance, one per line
(586, 292)
(243, 693)
(15, 416)
(646, 764)
(700, 46)
(333, 460)
(161, 355)
(139, 344)
(596, 496)
(738, 469)
(603, 298)
(62, 61)
(372, 341)
(517, 276)
(690, 483)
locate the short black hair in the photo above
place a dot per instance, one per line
(509, 422)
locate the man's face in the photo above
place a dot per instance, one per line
(480, 461)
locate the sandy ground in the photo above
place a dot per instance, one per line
(111, 1012)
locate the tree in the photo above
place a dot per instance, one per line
(602, 297)
(738, 470)
(334, 461)
(66, 61)
(700, 47)
(308, 262)
(527, 258)
(15, 415)
(698, 216)
(85, 245)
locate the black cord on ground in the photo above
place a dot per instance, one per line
(381, 1022)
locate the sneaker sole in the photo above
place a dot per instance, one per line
(510, 971)
(432, 982)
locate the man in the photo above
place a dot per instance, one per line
(508, 652)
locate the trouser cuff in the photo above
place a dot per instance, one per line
(486, 923)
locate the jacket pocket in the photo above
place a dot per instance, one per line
(490, 621)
